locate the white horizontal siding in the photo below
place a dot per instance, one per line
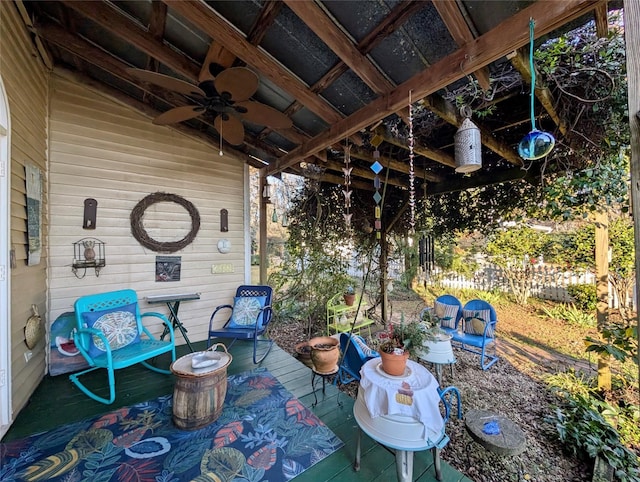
(103, 150)
(26, 84)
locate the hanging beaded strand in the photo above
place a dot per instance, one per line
(347, 185)
(412, 191)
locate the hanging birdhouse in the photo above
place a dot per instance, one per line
(468, 147)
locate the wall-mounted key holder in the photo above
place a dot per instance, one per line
(224, 220)
(90, 209)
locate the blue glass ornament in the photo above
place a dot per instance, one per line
(536, 144)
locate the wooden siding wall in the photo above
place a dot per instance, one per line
(25, 79)
(105, 150)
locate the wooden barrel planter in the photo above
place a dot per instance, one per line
(198, 394)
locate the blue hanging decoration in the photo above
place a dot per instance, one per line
(535, 144)
(376, 167)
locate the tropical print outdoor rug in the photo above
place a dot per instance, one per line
(263, 433)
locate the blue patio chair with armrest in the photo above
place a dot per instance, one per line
(355, 353)
(448, 309)
(109, 334)
(249, 317)
(480, 321)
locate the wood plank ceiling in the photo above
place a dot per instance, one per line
(342, 71)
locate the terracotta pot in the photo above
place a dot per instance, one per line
(324, 354)
(303, 350)
(349, 299)
(393, 364)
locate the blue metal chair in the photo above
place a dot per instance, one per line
(480, 321)
(248, 319)
(109, 334)
(449, 300)
(353, 349)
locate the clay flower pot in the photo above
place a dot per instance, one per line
(393, 364)
(303, 350)
(349, 299)
(324, 354)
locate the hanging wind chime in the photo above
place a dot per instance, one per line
(412, 191)
(347, 186)
(535, 144)
(376, 167)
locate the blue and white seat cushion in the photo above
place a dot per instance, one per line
(475, 320)
(118, 325)
(447, 314)
(246, 310)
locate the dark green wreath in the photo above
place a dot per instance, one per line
(138, 231)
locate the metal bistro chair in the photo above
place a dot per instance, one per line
(249, 319)
(109, 334)
(480, 321)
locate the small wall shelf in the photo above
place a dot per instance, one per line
(88, 253)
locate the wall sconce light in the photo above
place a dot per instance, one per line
(266, 193)
(88, 253)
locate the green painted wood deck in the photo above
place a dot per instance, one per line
(57, 401)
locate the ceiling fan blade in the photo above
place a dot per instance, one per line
(240, 82)
(264, 115)
(179, 114)
(167, 82)
(230, 128)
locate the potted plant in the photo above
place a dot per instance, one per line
(349, 295)
(402, 341)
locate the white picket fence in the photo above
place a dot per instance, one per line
(547, 282)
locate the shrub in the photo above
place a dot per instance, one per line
(584, 296)
(571, 315)
(585, 423)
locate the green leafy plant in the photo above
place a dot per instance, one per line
(618, 340)
(408, 337)
(584, 429)
(584, 296)
(570, 314)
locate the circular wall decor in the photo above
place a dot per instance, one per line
(138, 231)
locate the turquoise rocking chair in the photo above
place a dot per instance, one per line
(109, 334)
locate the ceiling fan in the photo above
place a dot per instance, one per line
(226, 97)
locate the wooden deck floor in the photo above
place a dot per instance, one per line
(57, 401)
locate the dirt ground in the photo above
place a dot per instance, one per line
(528, 348)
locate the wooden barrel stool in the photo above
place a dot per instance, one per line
(200, 388)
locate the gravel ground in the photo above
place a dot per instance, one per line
(512, 387)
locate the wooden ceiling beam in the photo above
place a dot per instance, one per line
(520, 61)
(601, 14)
(480, 180)
(362, 173)
(449, 113)
(391, 22)
(425, 151)
(157, 20)
(209, 21)
(343, 46)
(510, 34)
(390, 163)
(268, 14)
(457, 26)
(113, 20)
